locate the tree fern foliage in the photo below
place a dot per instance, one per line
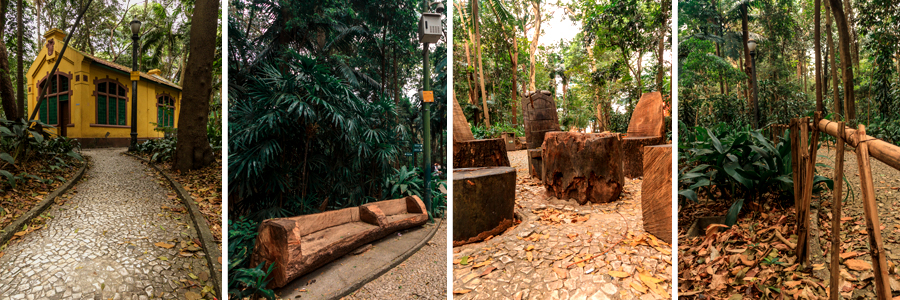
(321, 102)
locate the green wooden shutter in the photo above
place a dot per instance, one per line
(53, 111)
(42, 111)
(171, 117)
(101, 110)
(63, 98)
(122, 112)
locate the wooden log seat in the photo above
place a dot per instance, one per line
(646, 127)
(480, 153)
(634, 147)
(535, 163)
(656, 191)
(586, 167)
(482, 199)
(301, 244)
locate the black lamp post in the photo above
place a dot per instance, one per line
(751, 45)
(135, 29)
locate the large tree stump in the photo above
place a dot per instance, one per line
(583, 166)
(540, 117)
(482, 199)
(480, 153)
(656, 191)
(461, 130)
(648, 118)
(634, 146)
(535, 163)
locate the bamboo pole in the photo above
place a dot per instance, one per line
(880, 150)
(809, 165)
(833, 287)
(873, 225)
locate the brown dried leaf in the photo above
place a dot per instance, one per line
(858, 265)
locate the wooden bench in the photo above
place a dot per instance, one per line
(301, 244)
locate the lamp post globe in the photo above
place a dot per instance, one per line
(135, 30)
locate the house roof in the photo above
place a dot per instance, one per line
(155, 78)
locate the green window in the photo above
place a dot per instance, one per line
(48, 111)
(111, 103)
(165, 111)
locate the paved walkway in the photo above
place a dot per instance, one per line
(100, 242)
(530, 261)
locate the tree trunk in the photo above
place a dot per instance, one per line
(846, 60)
(662, 43)
(20, 76)
(7, 92)
(485, 112)
(754, 106)
(534, 42)
(192, 150)
(515, 62)
(468, 56)
(838, 108)
(817, 37)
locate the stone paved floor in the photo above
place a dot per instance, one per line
(100, 242)
(517, 277)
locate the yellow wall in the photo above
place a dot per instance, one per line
(83, 105)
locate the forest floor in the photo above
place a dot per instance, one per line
(563, 250)
(117, 234)
(16, 201)
(756, 257)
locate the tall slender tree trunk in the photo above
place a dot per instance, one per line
(817, 36)
(854, 39)
(534, 43)
(469, 75)
(664, 25)
(754, 105)
(846, 60)
(192, 150)
(20, 76)
(838, 107)
(7, 92)
(514, 56)
(475, 22)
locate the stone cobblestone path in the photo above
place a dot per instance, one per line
(530, 261)
(100, 242)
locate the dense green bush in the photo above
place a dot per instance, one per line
(159, 150)
(243, 282)
(21, 141)
(737, 162)
(482, 132)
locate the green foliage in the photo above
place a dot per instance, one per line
(482, 132)
(738, 162)
(403, 183)
(885, 129)
(159, 150)
(21, 141)
(243, 281)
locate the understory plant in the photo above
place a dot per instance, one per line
(22, 141)
(244, 281)
(739, 164)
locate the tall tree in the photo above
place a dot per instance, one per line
(476, 23)
(838, 108)
(532, 51)
(20, 77)
(843, 28)
(192, 149)
(7, 92)
(818, 49)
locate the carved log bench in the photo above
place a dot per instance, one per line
(647, 127)
(301, 244)
(586, 167)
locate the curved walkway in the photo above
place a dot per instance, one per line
(100, 242)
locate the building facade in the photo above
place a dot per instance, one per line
(89, 99)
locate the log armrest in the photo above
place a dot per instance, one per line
(414, 205)
(372, 214)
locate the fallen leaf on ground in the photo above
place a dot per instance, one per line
(858, 265)
(164, 245)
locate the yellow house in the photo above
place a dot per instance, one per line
(92, 97)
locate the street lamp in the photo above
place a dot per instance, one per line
(429, 32)
(751, 45)
(135, 75)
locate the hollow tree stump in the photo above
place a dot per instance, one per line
(583, 166)
(535, 163)
(634, 146)
(656, 191)
(482, 199)
(480, 153)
